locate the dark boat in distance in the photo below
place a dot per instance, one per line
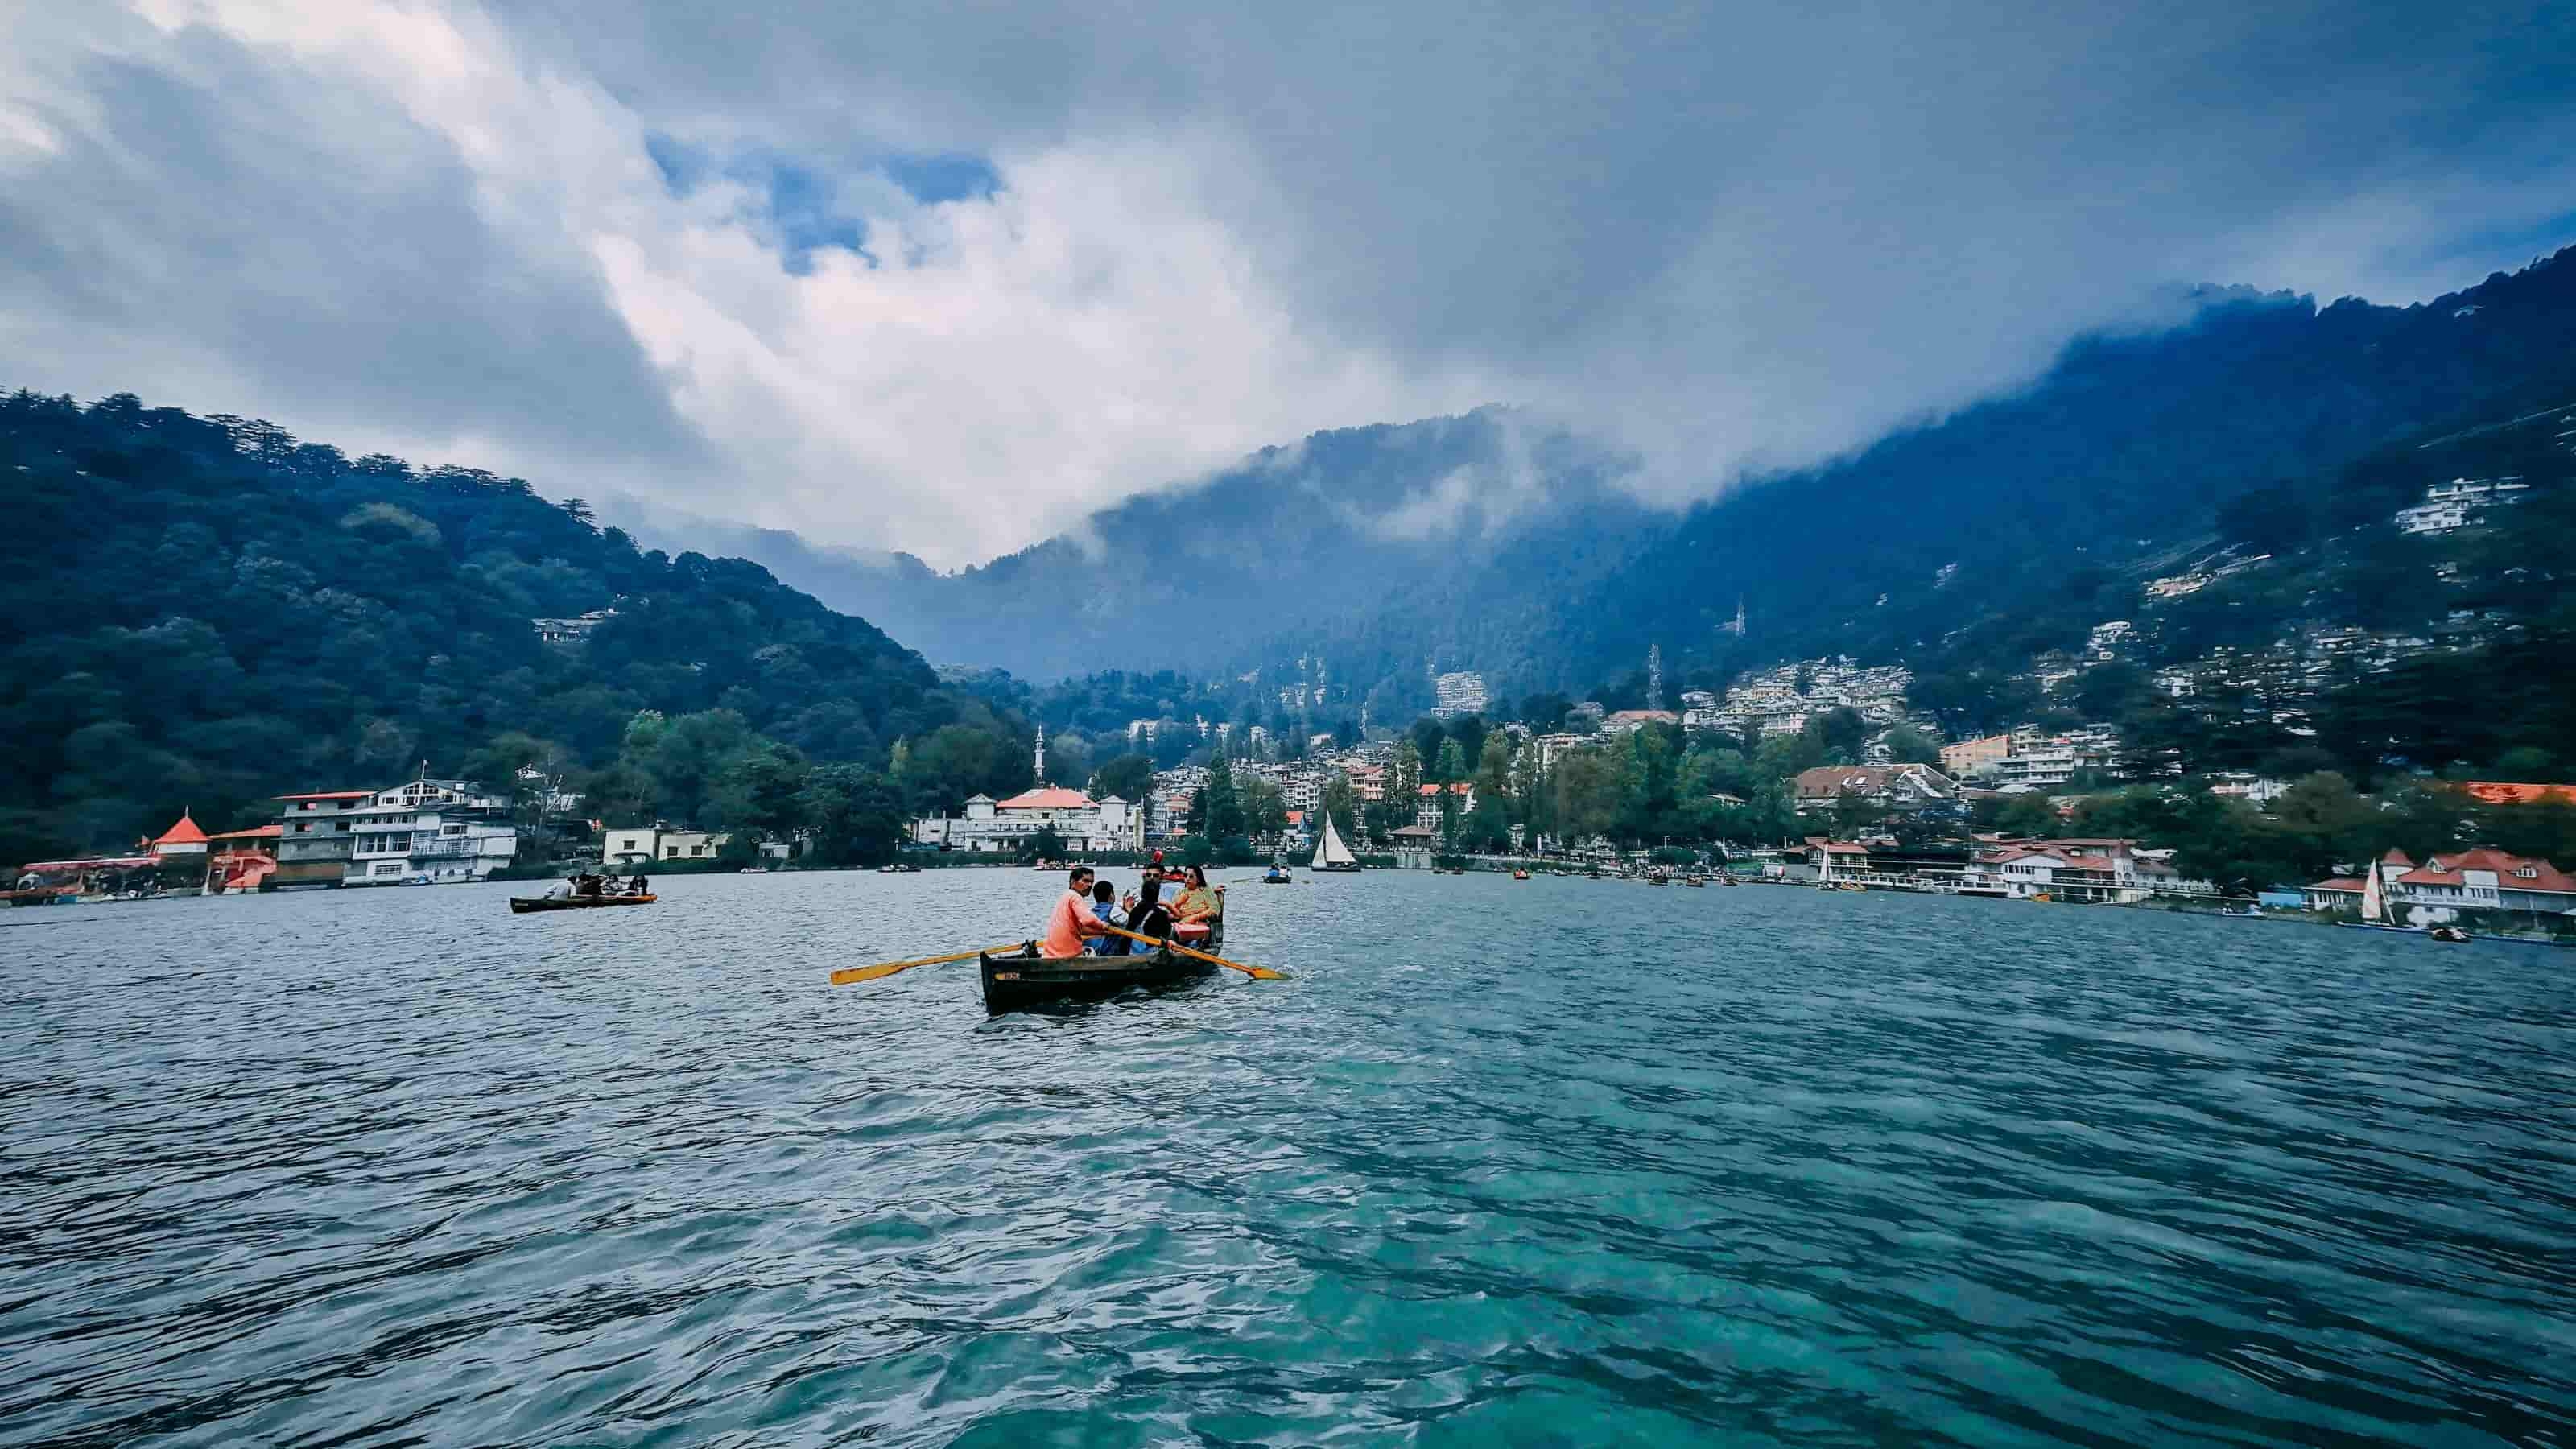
(523, 905)
(1018, 983)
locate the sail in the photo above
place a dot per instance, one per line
(1330, 851)
(2373, 906)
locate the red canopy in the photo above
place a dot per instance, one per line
(121, 862)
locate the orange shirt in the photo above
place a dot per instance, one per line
(1064, 931)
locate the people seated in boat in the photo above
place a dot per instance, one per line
(637, 885)
(1104, 905)
(1072, 920)
(1147, 915)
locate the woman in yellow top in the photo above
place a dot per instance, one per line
(1199, 904)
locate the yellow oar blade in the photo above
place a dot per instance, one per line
(852, 975)
(1257, 973)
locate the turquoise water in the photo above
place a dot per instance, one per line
(1562, 1162)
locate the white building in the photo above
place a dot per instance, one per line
(2043, 763)
(1003, 826)
(659, 843)
(436, 830)
(1454, 694)
(572, 630)
(2459, 503)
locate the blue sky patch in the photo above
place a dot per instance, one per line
(798, 211)
(947, 176)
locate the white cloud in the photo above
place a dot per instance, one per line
(1727, 239)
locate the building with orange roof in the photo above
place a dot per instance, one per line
(2481, 878)
(2496, 792)
(1002, 827)
(181, 839)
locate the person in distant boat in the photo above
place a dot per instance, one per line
(1104, 905)
(639, 886)
(1072, 920)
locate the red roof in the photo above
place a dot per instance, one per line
(1460, 788)
(331, 795)
(111, 862)
(2495, 793)
(2448, 870)
(2396, 857)
(1046, 797)
(183, 833)
(2337, 884)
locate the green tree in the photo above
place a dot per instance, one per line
(855, 816)
(1220, 814)
(1910, 746)
(1453, 763)
(1128, 777)
(1264, 812)
(760, 790)
(1494, 767)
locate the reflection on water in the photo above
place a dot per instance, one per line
(1558, 1161)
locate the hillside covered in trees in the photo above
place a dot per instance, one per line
(1490, 542)
(203, 612)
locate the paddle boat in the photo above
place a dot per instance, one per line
(1520, 875)
(526, 905)
(1276, 875)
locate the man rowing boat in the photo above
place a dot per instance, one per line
(1073, 919)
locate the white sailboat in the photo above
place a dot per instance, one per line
(1330, 853)
(2374, 902)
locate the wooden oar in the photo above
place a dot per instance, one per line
(851, 975)
(1257, 973)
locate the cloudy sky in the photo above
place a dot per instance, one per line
(944, 277)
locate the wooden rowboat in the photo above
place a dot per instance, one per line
(1017, 983)
(522, 905)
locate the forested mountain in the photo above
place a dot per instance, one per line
(201, 612)
(1480, 542)
(1381, 550)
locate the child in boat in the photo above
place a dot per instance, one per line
(1104, 904)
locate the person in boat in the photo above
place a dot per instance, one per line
(1198, 903)
(1104, 905)
(638, 885)
(1072, 920)
(1147, 915)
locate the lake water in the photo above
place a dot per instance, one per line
(1563, 1162)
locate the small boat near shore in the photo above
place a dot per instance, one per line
(1018, 983)
(529, 905)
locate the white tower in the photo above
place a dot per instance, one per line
(1041, 761)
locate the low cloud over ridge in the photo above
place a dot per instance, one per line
(1725, 239)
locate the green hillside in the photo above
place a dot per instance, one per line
(202, 612)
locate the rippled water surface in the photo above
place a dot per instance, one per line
(1562, 1162)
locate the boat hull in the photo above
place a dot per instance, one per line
(1020, 983)
(526, 905)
